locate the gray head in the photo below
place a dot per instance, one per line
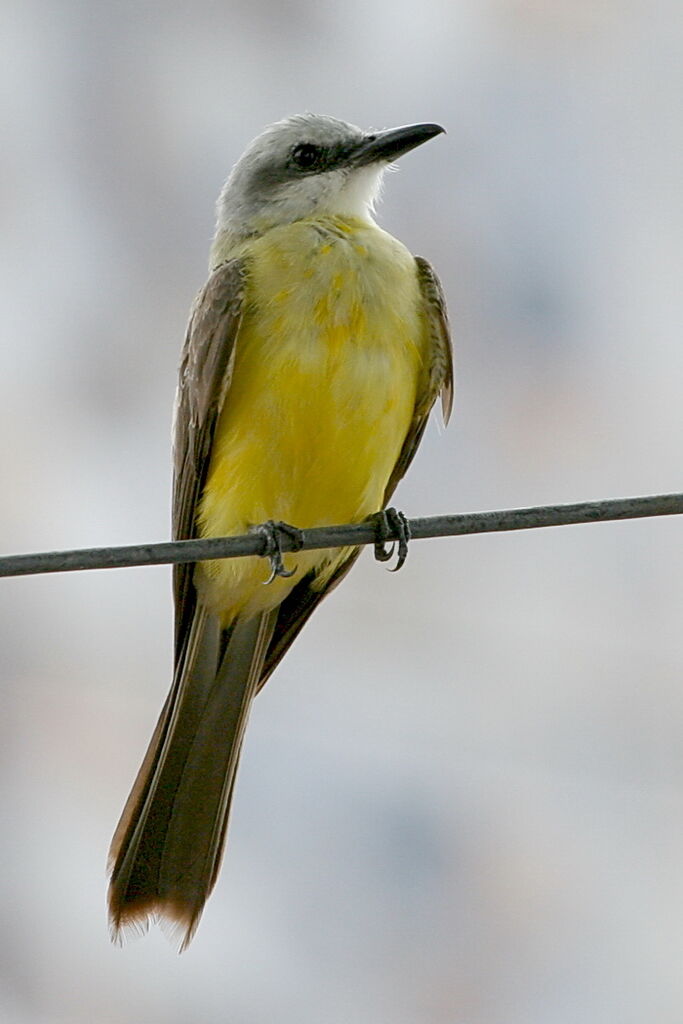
(306, 165)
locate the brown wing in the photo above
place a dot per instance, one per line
(205, 371)
(439, 371)
(297, 608)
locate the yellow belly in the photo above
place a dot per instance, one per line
(326, 371)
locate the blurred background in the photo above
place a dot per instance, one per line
(461, 796)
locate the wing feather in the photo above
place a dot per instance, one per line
(204, 378)
(439, 370)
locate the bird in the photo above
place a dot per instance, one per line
(312, 359)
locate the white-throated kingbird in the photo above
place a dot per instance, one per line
(313, 356)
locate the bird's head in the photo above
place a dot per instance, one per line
(306, 165)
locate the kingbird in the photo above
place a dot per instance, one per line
(312, 359)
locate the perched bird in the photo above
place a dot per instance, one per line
(313, 356)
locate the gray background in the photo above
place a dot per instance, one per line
(461, 798)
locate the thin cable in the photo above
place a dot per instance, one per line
(169, 552)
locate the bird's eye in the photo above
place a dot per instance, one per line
(306, 156)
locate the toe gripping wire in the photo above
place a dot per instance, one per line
(272, 532)
(392, 529)
(392, 534)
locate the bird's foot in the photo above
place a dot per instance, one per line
(272, 533)
(391, 528)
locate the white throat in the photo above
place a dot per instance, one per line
(340, 193)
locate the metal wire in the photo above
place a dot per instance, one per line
(168, 552)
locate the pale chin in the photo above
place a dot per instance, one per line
(358, 195)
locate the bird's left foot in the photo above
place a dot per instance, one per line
(272, 533)
(391, 528)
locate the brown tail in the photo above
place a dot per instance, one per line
(168, 845)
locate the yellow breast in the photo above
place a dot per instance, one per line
(326, 371)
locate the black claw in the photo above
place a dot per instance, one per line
(391, 528)
(272, 533)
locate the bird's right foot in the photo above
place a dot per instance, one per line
(272, 532)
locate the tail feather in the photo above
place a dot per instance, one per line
(168, 845)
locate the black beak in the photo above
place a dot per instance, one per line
(383, 147)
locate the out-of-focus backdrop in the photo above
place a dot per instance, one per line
(461, 797)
